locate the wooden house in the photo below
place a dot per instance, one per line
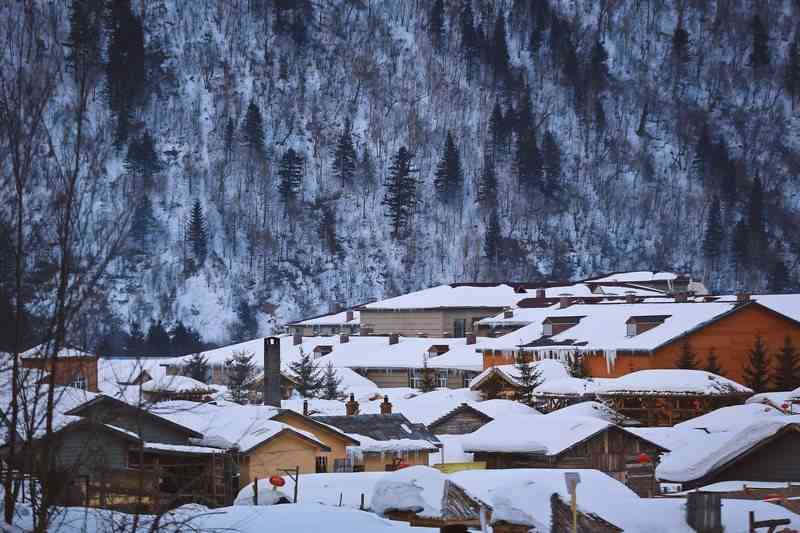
(544, 441)
(387, 441)
(337, 323)
(460, 421)
(764, 450)
(71, 367)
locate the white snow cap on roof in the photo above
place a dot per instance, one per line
(333, 319)
(549, 369)
(42, 350)
(674, 381)
(501, 295)
(175, 383)
(418, 489)
(637, 276)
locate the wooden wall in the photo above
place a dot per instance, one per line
(66, 369)
(331, 439)
(731, 338)
(285, 451)
(377, 462)
(432, 323)
(460, 423)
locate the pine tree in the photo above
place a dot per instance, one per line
(701, 163)
(367, 169)
(687, 359)
(428, 382)
(786, 376)
(740, 247)
(158, 341)
(142, 224)
(528, 163)
(779, 279)
(246, 322)
(401, 193)
(83, 41)
(184, 340)
(307, 375)
(540, 14)
(576, 366)
(791, 74)
(449, 179)
(290, 173)
(760, 55)
(327, 230)
(713, 364)
(142, 160)
(197, 367)
(680, 47)
(529, 378)
(230, 133)
(493, 238)
(240, 371)
(331, 383)
(598, 69)
(436, 23)
(197, 234)
(470, 47)
(497, 132)
(135, 345)
(344, 158)
(499, 56)
(487, 187)
(551, 153)
(712, 241)
(757, 371)
(253, 131)
(125, 66)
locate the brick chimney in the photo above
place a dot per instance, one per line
(297, 339)
(344, 338)
(351, 407)
(272, 372)
(681, 297)
(394, 338)
(508, 313)
(305, 407)
(471, 338)
(386, 407)
(742, 297)
(540, 294)
(564, 300)
(349, 315)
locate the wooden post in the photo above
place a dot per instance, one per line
(574, 506)
(296, 481)
(362, 502)
(255, 491)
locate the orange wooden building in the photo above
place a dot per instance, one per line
(616, 339)
(70, 367)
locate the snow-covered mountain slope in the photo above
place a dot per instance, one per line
(633, 188)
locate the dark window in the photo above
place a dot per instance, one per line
(322, 465)
(343, 465)
(460, 327)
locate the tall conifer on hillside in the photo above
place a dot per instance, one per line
(345, 158)
(290, 173)
(197, 234)
(449, 178)
(401, 193)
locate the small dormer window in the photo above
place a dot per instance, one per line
(636, 325)
(547, 329)
(631, 329)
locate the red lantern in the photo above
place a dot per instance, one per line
(644, 459)
(277, 481)
(400, 466)
(785, 407)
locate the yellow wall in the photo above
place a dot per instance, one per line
(376, 462)
(331, 439)
(284, 451)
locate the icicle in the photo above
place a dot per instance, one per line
(611, 358)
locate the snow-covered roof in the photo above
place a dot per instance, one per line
(731, 417)
(454, 296)
(228, 425)
(115, 371)
(785, 304)
(671, 381)
(590, 409)
(332, 319)
(175, 383)
(568, 386)
(42, 350)
(323, 489)
(636, 277)
(773, 399)
(688, 463)
(408, 352)
(549, 369)
(384, 433)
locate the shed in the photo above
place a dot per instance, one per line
(459, 421)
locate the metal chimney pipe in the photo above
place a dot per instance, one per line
(272, 371)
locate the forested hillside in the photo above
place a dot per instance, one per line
(260, 159)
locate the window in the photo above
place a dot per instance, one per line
(547, 329)
(322, 465)
(343, 465)
(79, 382)
(415, 378)
(441, 379)
(466, 378)
(460, 327)
(631, 329)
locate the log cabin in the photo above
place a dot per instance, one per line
(71, 367)
(545, 441)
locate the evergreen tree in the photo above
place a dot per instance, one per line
(428, 382)
(142, 224)
(436, 23)
(345, 158)
(576, 367)
(253, 131)
(497, 132)
(230, 133)
(713, 364)
(401, 193)
(757, 371)
(331, 383)
(197, 234)
(499, 57)
(779, 279)
(529, 378)
(680, 47)
(307, 375)
(786, 376)
(449, 179)
(240, 371)
(290, 173)
(197, 367)
(327, 230)
(184, 340)
(551, 154)
(135, 345)
(598, 68)
(760, 55)
(703, 153)
(528, 163)
(158, 341)
(247, 323)
(493, 238)
(367, 169)
(487, 187)
(470, 47)
(687, 359)
(740, 247)
(125, 66)
(755, 215)
(791, 75)
(712, 242)
(83, 40)
(540, 14)
(142, 160)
